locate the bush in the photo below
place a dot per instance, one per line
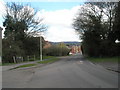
(56, 50)
(10, 50)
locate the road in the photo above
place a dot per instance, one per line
(69, 72)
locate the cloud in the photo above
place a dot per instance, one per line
(58, 34)
(62, 0)
(2, 7)
(2, 12)
(45, 0)
(60, 24)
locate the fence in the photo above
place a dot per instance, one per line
(18, 59)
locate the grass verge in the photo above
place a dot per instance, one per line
(48, 61)
(44, 57)
(40, 62)
(48, 57)
(22, 66)
(104, 59)
(5, 64)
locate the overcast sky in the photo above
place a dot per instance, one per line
(58, 16)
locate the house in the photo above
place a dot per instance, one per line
(47, 45)
(75, 49)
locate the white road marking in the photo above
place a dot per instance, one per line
(80, 62)
(92, 63)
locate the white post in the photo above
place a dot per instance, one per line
(22, 59)
(34, 57)
(0, 59)
(14, 59)
(28, 58)
(40, 47)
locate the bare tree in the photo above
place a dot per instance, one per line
(23, 19)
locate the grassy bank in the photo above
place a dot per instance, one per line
(5, 64)
(48, 57)
(23, 66)
(26, 65)
(48, 61)
(25, 61)
(104, 59)
(51, 60)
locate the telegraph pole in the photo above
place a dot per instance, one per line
(1, 57)
(1, 44)
(40, 47)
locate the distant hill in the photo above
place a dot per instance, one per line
(68, 43)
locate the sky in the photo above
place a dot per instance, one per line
(57, 15)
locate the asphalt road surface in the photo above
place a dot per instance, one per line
(69, 72)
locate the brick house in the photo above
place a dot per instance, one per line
(75, 49)
(47, 44)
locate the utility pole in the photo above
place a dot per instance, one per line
(1, 44)
(40, 47)
(1, 56)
